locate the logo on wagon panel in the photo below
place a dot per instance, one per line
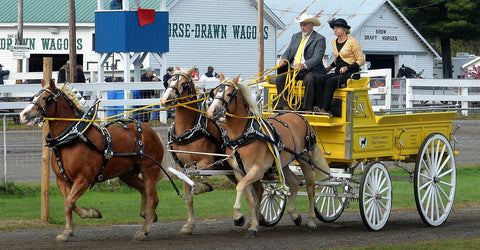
(363, 142)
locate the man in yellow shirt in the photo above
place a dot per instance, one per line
(305, 53)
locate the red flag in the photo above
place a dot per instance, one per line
(146, 16)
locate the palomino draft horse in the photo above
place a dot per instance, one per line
(250, 138)
(193, 132)
(86, 153)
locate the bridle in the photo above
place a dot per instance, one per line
(221, 89)
(49, 100)
(186, 85)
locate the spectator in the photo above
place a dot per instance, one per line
(80, 74)
(209, 75)
(116, 5)
(148, 76)
(3, 73)
(196, 74)
(167, 76)
(64, 72)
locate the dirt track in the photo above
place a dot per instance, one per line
(348, 231)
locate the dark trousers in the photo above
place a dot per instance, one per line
(327, 86)
(309, 81)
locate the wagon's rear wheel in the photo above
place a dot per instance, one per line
(375, 199)
(273, 203)
(329, 205)
(435, 180)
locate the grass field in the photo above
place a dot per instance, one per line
(120, 204)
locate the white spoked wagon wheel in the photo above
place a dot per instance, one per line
(273, 203)
(329, 205)
(375, 199)
(435, 179)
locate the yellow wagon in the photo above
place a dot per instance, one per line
(356, 137)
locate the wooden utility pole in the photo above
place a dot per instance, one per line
(46, 151)
(261, 41)
(20, 35)
(72, 41)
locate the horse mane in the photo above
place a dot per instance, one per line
(249, 97)
(74, 96)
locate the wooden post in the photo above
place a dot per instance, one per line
(261, 41)
(72, 42)
(20, 36)
(46, 151)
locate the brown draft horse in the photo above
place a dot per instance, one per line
(297, 142)
(193, 132)
(87, 154)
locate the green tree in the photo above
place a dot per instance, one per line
(443, 20)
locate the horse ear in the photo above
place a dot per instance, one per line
(191, 71)
(236, 79)
(222, 77)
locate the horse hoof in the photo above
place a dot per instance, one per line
(311, 229)
(252, 233)
(61, 238)
(298, 221)
(203, 188)
(239, 222)
(155, 218)
(139, 236)
(186, 230)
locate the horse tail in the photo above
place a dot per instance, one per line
(316, 154)
(319, 161)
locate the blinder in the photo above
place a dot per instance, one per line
(221, 89)
(49, 100)
(186, 85)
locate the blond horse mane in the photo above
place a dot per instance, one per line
(74, 96)
(249, 97)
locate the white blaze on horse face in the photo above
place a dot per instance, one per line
(166, 96)
(216, 102)
(26, 117)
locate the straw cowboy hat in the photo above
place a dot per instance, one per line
(307, 18)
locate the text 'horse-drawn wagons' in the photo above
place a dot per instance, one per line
(86, 153)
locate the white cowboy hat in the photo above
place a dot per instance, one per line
(307, 18)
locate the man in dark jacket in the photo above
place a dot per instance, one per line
(3, 73)
(304, 53)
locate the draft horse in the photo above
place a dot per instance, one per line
(86, 153)
(193, 132)
(250, 138)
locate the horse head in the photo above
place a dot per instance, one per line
(41, 104)
(179, 85)
(46, 103)
(407, 72)
(223, 96)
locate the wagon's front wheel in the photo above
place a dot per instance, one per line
(375, 196)
(273, 202)
(435, 180)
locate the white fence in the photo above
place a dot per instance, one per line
(465, 93)
(386, 92)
